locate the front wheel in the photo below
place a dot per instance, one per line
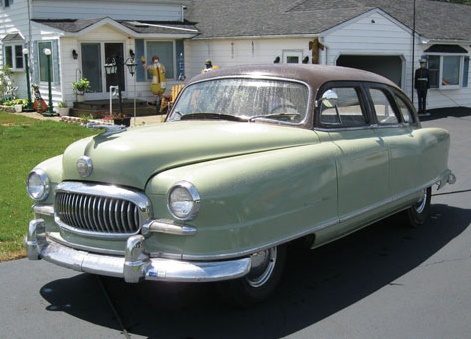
(260, 283)
(418, 213)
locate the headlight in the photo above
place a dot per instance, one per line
(37, 185)
(183, 201)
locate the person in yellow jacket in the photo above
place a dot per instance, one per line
(208, 66)
(158, 83)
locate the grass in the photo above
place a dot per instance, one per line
(24, 142)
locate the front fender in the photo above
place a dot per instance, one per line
(252, 201)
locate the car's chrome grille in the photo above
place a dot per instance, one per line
(91, 213)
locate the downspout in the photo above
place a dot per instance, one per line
(413, 54)
(30, 44)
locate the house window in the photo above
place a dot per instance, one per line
(165, 50)
(445, 71)
(6, 3)
(292, 57)
(43, 61)
(14, 56)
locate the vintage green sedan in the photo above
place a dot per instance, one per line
(248, 160)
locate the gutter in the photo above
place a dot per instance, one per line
(448, 42)
(253, 37)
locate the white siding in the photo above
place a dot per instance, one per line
(374, 34)
(234, 52)
(118, 10)
(14, 19)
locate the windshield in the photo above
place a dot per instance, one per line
(243, 100)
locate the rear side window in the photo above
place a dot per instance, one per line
(383, 107)
(341, 107)
(406, 110)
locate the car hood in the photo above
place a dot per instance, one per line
(130, 158)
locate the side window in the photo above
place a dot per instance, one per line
(382, 106)
(406, 112)
(341, 107)
(13, 56)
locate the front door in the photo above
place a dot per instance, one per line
(94, 57)
(114, 51)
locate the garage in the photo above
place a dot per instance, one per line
(387, 66)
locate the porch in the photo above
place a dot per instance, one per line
(100, 108)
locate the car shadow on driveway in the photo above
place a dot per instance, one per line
(316, 284)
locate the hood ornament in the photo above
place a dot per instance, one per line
(109, 129)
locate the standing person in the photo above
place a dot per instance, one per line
(422, 84)
(158, 83)
(208, 66)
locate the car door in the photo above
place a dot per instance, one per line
(395, 126)
(362, 157)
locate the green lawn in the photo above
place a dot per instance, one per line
(24, 142)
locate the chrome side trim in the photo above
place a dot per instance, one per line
(44, 209)
(168, 227)
(136, 265)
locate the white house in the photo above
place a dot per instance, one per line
(84, 35)
(383, 36)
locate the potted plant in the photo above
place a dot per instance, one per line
(17, 104)
(81, 86)
(121, 119)
(63, 109)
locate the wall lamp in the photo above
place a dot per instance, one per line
(74, 54)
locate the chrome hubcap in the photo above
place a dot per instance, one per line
(263, 264)
(420, 205)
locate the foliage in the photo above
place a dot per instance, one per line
(25, 142)
(114, 115)
(62, 104)
(82, 85)
(23, 102)
(6, 84)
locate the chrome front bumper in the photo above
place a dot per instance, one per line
(135, 266)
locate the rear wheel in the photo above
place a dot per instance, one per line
(418, 213)
(260, 282)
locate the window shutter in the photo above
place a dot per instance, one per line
(55, 62)
(140, 73)
(466, 71)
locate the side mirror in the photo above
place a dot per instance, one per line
(329, 98)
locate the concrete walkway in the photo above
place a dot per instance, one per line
(142, 120)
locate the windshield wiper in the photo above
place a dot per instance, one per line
(211, 116)
(276, 116)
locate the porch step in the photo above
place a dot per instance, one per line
(101, 108)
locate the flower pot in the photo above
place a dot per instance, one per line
(63, 111)
(18, 108)
(124, 121)
(80, 97)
